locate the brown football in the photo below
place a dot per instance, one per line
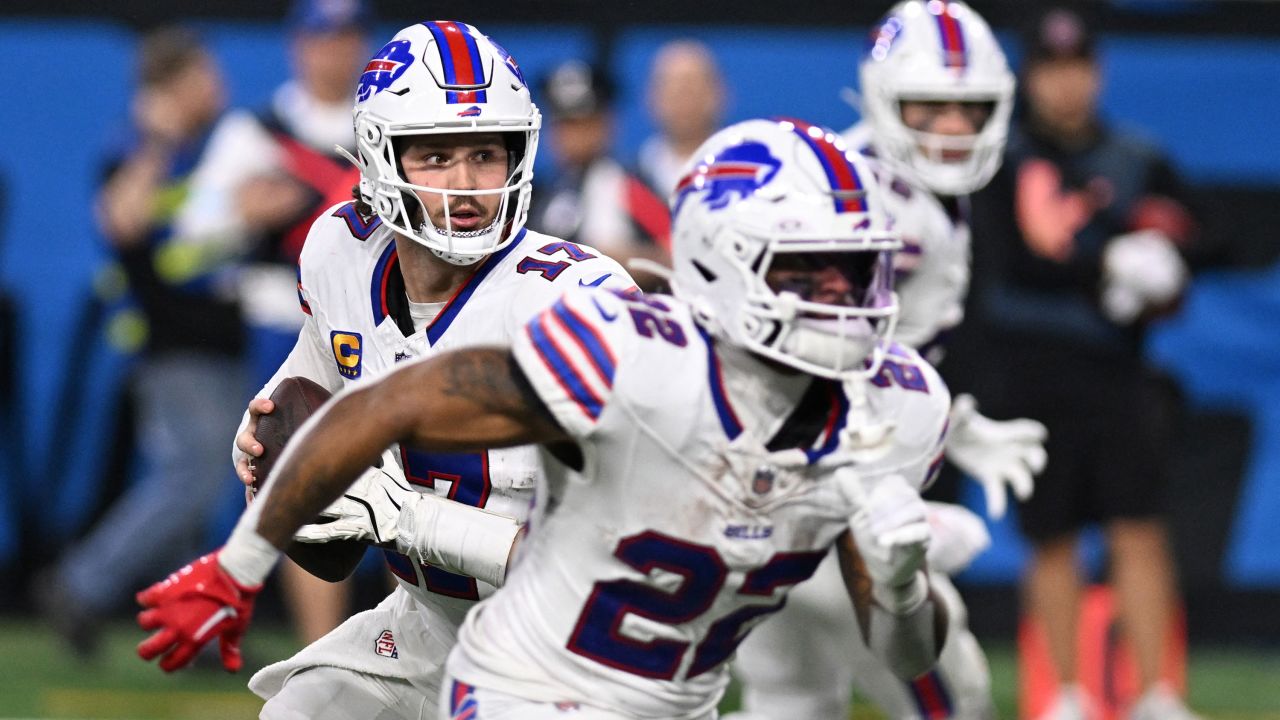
(296, 398)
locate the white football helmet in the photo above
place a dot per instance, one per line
(930, 50)
(781, 245)
(443, 77)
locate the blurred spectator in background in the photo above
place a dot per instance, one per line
(272, 174)
(278, 169)
(1079, 245)
(686, 101)
(192, 376)
(591, 198)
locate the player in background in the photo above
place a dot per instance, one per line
(703, 453)
(936, 100)
(433, 255)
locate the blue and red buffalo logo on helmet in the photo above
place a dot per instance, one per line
(509, 61)
(739, 171)
(385, 68)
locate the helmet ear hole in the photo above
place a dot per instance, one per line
(704, 271)
(369, 132)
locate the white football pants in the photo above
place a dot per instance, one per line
(803, 661)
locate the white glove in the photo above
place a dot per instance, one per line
(383, 509)
(891, 529)
(959, 536)
(368, 511)
(996, 453)
(1140, 270)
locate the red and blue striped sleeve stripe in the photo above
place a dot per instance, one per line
(583, 333)
(845, 183)
(460, 57)
(562, 368)
(951, 33)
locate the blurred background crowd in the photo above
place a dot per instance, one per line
(160, 170)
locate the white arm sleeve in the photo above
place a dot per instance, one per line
(908, 643)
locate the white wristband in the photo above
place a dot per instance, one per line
(903, 599)
(456, 537)
(248, 557)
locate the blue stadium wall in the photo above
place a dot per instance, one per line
(1212, 101)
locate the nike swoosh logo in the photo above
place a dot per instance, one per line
(597, 281)
(609, 317)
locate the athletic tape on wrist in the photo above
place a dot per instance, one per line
(248, 557)
(456, 537)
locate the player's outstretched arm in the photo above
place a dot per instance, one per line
(461, 401)
(455, 402)
(882, 560)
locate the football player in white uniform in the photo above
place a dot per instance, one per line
(703, 453)
(434, 256)
(936, 98)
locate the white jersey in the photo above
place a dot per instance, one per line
(358, 326)
(932, 269)
(705, 493)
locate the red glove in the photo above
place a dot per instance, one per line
(191, 606)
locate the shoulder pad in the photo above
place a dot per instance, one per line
(568, 264)
(575, 350)
(909, 396)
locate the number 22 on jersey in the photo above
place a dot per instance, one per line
(599, 633)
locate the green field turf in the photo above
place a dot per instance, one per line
(39, 679)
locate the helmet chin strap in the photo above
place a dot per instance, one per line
(428, 228)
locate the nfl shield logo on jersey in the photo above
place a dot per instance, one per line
(385, 645)
(762, 483)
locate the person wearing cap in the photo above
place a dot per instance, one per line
(1079, 244)
(591, 198)
(270, 173)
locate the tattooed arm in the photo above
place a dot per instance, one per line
(458, 401)
(454, 402)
